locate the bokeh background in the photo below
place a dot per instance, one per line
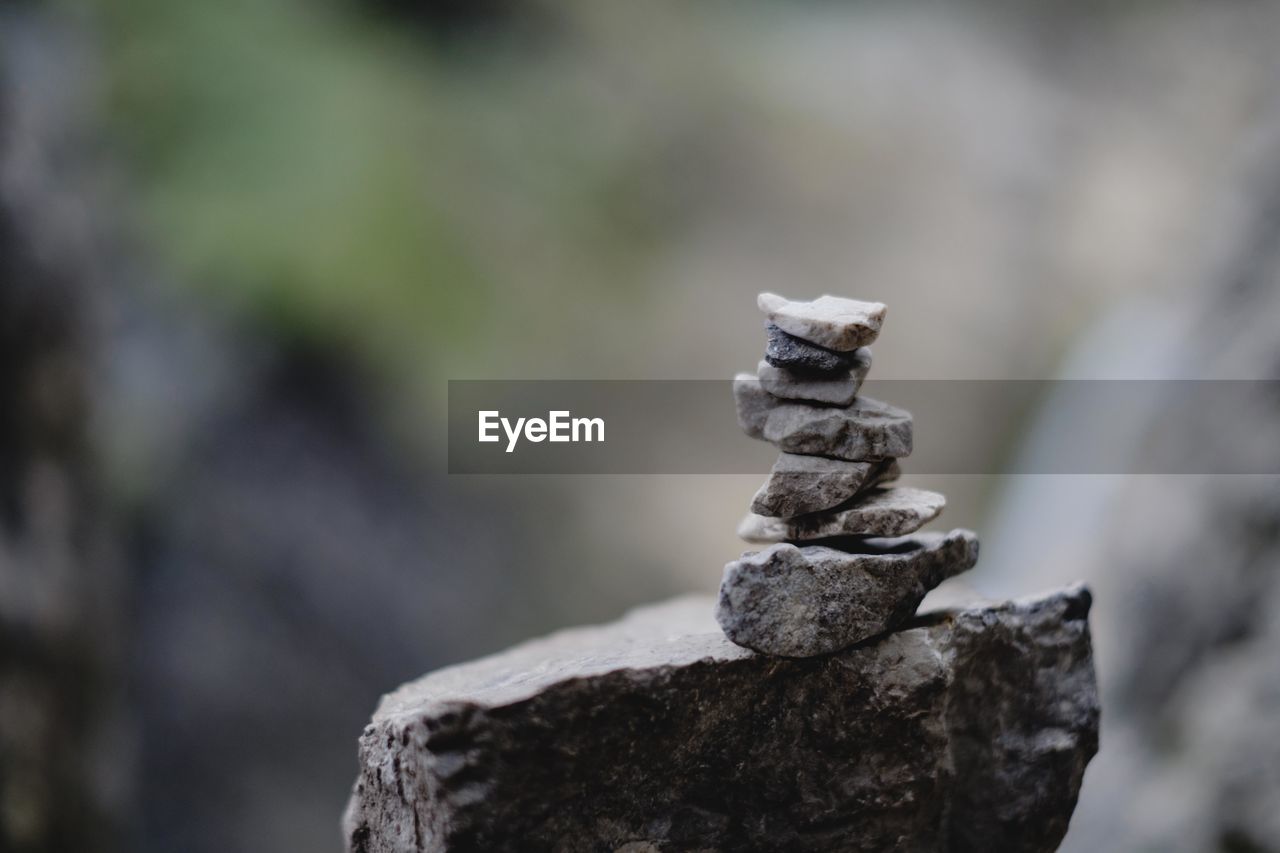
(244, 244)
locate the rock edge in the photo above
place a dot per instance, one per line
(968, 730)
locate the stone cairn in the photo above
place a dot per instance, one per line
(966, 729)
(844, 561)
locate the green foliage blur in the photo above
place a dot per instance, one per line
(342, 176)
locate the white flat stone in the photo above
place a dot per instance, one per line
(828, 321)
(877, 512)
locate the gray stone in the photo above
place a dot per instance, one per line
(802, 484)
(814, 600)
(839, 389)
(867, 430)
(969, 731)
(788, 351)
(878, 512)
(828, 321)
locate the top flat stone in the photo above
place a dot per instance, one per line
(832, 322)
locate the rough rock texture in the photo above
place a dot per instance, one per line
(868, 430)
(801, 484)
(879, 512)
(813, 600)
(967, 732)
(788, 351)
(828, 321)
(837, 390)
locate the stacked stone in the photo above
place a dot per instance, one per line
(844, 560)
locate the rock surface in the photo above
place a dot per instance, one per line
(828, 321)
(788, 351)
(813, 600)
(969, 731)
(802, 484)
(878, 512)
(868, 430)
(837, 390)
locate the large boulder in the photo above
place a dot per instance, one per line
(968, 730)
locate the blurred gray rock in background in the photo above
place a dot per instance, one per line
(1186, 568)
(64, 753)
(187, 660)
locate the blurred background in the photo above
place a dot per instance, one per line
(244, 244)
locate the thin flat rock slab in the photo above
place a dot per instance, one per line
(803, 484)
(967, 731)
(814, 600)
(832, 322)
(788, 351)
(837, 390)
(877, 512)
(868, 430)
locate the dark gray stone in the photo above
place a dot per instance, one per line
(816, 599)
(788, 351)
(868, 430)
(969, 731)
